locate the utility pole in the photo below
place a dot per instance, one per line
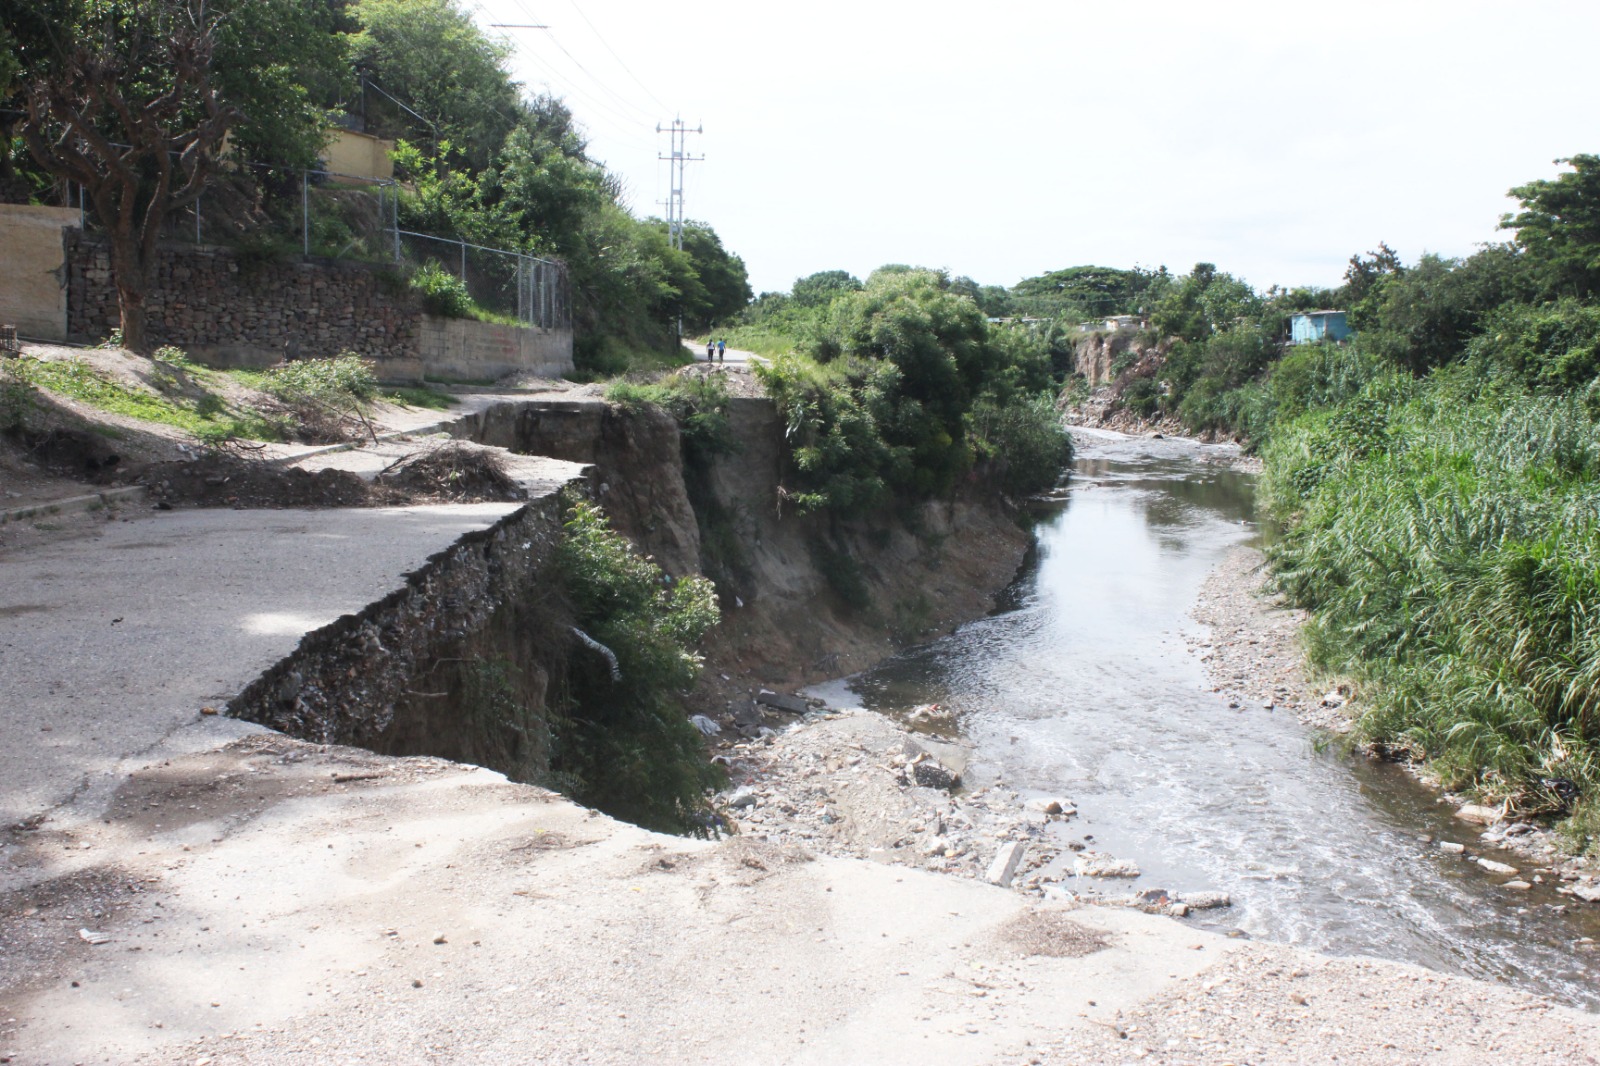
(678, 157)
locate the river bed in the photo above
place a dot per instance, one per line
(1083, 685)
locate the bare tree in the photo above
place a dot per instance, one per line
(129, 112)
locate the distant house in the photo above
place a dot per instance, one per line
(1124, 323)
(1314, 327)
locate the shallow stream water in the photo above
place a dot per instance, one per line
(1082, 686)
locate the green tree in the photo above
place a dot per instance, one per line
(821, 288)
(721, 275)
(431, 57)
(1559, 228)
(124, 104)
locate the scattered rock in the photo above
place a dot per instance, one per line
(1472, 812)
(1204, 901)
(787, 704)
(930, 773)
(1450, 847)
(1004, 866)
(1497, 867)
(1097, 864)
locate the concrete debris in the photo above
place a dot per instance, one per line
(786, 704)
(1004, 866)
(1097, 864)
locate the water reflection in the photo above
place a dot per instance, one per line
(1082, 685)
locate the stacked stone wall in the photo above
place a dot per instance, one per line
(235, 312)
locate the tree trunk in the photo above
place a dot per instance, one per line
(131, 284)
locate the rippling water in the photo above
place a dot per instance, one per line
(1083, 686)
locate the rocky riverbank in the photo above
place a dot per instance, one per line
(853, 783)
(1252, 652)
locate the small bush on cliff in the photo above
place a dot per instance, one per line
(626, 739)
(698, 402)
(442, 292)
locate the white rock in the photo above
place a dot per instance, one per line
(1092, 864)
(1004, 866)
(1473, 812)
(1201, 901)
(1497, 867)
(1450, 847)
(1520, 886)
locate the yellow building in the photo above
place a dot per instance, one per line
(352, 156)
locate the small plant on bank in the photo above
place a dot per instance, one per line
(16, 399)
(329, 398)
(625, 739)
(442, 292)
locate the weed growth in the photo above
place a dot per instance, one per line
(626, 741)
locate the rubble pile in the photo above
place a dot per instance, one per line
(854, 783)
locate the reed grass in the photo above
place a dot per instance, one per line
(1446, 537)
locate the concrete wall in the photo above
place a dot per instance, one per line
(32, 256)
(464, 349)
(359, 155)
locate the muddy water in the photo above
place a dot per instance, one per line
(1083, 686)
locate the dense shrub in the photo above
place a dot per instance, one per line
(1447, 537)
(625, 739)
(442, 292)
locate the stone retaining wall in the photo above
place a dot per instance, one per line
(240, 313)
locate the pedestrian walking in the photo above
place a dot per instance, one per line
(722, 351)
(711, 349)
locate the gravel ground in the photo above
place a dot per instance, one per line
(856, 784)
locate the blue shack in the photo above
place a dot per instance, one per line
(1314, 327)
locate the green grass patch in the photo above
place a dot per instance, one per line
(203, 414)
(420, 396)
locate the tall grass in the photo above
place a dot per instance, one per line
(1446, 537)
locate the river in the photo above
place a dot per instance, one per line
(1082, 685)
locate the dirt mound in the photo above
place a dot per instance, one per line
(73, 453)
(226, 481)
(455, 472)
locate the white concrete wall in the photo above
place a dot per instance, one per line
(33, 290)
(464, 349)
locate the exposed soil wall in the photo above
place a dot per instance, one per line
(464, 661)
(803, 597)
(455, 664)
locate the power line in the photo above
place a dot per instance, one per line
(614, 55)
(604, 86)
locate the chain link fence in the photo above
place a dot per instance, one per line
(286, 212)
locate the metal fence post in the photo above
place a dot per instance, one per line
(395, 189)
(305, 212)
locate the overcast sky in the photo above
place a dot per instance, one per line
(1007, 139)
